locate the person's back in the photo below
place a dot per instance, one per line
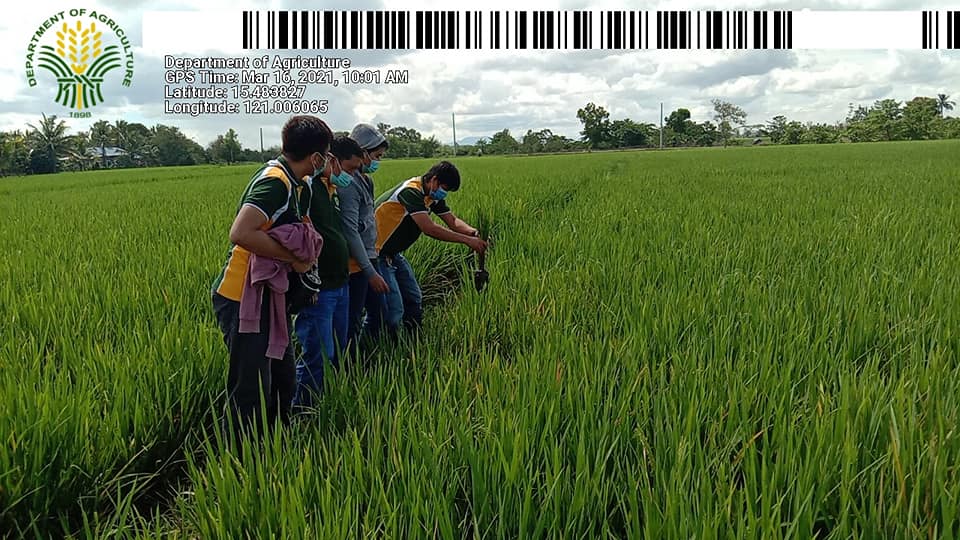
(394, 210)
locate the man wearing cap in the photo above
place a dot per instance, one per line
(402, 214)
(360, 230)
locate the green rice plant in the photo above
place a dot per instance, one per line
(748, 343)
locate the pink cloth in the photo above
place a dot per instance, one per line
(305, 243)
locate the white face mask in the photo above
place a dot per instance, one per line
(318, 172)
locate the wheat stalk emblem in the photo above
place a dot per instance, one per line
(78, 79)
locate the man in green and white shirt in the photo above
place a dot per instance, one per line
(402, 213)
(322, 328)
(275, 196)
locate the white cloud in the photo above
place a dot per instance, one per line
(740, 89)
(492, 90)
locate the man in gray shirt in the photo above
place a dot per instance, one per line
(367, 287)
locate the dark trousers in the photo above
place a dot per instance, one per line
(362, 299)
(251, 373)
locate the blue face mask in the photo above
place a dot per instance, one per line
(439, 194)
(341, 180)
(372, 167)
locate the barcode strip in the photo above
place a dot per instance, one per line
(790, 30)
(588, 28)
(523, 30)
(547, 29)
(659, 29)
(551, 20)
(717, 29)
(950, 31)
(444, 29)
(776, 30)
(956, 30)
(708, 35)
(576, 29)
(678, 30)
(742, 30)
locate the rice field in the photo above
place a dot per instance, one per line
(738, 343)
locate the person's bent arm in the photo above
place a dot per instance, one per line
(246, 232)
(350, 219)
(431, 229)
(457, 224)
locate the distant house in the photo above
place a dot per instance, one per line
(110, 154)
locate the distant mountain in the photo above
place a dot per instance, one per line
(466, 141)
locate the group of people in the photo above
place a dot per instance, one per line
(308, 220)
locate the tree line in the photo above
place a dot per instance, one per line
(921, 118)
(47, 146)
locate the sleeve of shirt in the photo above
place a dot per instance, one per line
(412, 200)
(268, 195)
(439, 208)
(350, 217)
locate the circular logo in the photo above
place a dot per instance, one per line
(80, 48)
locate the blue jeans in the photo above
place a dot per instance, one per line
(322, 332)
(404, 302)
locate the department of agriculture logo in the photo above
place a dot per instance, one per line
(80, 49)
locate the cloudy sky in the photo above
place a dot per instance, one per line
(492, 90)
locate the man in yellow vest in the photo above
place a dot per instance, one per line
(276, 195)
(402, 213)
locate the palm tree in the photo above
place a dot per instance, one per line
(50, 137)
(78, 154)
(145, 154)
(944, 104)
(100, 135)
(121, 133)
